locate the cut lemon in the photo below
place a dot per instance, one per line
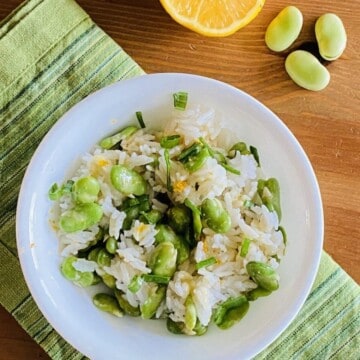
(213, 17)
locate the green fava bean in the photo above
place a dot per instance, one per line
(109, 280)
(127, 181)
(68, 270)
(175, 327)
(103, 258)
(111, 245)
(163, 259)
(179, 218)
(216, 217)
(263, 275)
(86, 190)
(284, 29)
(190, 314)
(256, 293)
(166, 233)
(81, 217)
(87, 279)
(149, 307)
(331, 36)
(124, 304)
(307, 71)
(107, 303)
(231, 311)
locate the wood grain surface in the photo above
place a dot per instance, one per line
(326, 123)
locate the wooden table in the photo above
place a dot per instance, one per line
(327, 123)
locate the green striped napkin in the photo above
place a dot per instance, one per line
(51, 56)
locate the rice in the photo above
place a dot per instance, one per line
(206, 287)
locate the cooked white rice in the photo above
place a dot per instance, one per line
(210, 285)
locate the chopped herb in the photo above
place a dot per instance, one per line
(192, 150)
(156, 278)
(205, 263)
(245, 247)
(220, 158)
(168, 142)
(135, 284)
(282, 230)
(248, 203)
(255, 154)
(168, 164)
(140, 119)
(241, 147)
(180, 100)
(196, 215)
(230, 169)
(56, 192)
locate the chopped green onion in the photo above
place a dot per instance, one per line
(245, 247)
(192, 150)
(135, 284)
(220, 158)
(111, 141)
(230, 169)
(248, 203)
(205, 263)
(241, 147)
(159, 279)
(152, 217)
(180, 100)
(282, 230)
(168, 142)
(168, 164)
(67, 187)
(140, 119)
(56, 192)
(255, 154)
(196, 215)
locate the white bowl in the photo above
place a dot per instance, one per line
(69, 309)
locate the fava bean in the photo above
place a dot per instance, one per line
(331, 36)
(104, 258)
(166, 233)
(111, 245)
(307, 71)
(107, 303)
(256, 293)
(163, 259)
(125, 306)
(68, 270)
(216, 217)
(86, 190)
(111, 141)
(231, 311)
(263, 275)
(79, 278)
(109, 280)
(87, 279)
(151, 304)
(93, 254)
(175, 327)
(179, 218)
(127, 181)
(284, 29)
(199, 328)
(190, 313)
(270, 197)
(81, 217)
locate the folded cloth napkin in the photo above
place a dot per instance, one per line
(51, 56)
